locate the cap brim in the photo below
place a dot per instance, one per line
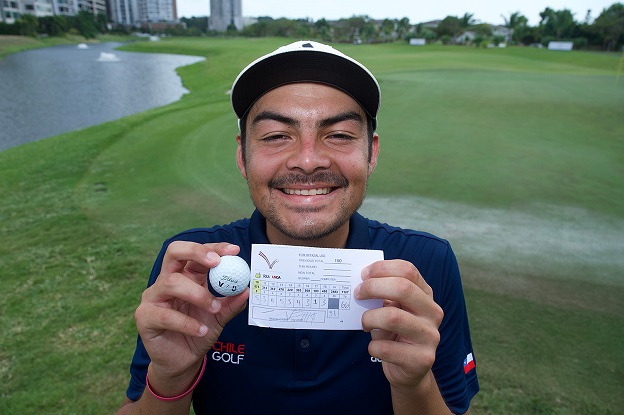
(280, 69)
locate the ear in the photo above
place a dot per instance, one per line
(239, 157)
(374, 154)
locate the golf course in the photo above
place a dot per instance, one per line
(515, 155)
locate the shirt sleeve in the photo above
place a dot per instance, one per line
(454, 368)
(141, 360)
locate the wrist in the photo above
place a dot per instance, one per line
(424, 395)
(173, 389)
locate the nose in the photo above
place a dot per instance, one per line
(309, 155)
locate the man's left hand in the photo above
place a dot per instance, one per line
(404, 331)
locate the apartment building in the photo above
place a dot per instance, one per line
(157, 11)
(66, 7)
(92, 6)
(224, 13)
(39, 8)
(11, 10)
(125, 12)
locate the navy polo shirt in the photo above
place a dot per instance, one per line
(261, 370)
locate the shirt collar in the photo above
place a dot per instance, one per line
(358, 233)
(257, 229)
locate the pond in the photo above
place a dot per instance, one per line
(45, 92)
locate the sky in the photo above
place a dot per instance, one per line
(484, 11)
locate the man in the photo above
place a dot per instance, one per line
(307, 145)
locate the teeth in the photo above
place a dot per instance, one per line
(308, 192)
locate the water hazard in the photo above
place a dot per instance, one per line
(45, 92)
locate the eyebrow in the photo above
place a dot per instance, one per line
(274, 116)
(326, 122)
(345, 116)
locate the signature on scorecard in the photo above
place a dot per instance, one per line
(298, 316)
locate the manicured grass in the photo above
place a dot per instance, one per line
(82, 216)
(503, 139)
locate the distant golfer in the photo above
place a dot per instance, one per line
(307, 146)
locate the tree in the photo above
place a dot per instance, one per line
(27, 25)
(198, 23)
(303, 29)
(283, 27)
(231, 30)
(530, 34)
(558, 24)
(467, 21)
(449, 29)
(610, 26)
(387, 29)
(86, 25)
(54, 25)
(484, 30)
(258, 29)
(101, 22)
(353, 29)
(403, 27)
(322, 29)
(427, 34)
(279, 27)
(346, 30)
(518, 24)
(369, 31)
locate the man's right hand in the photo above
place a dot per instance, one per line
(179, 320)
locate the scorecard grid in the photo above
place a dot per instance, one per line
(293, 295)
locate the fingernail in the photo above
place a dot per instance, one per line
(356, 291)
(212, 256)
(203, 330)
(215, 306)
(365, 272)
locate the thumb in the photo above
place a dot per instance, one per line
(231, 307)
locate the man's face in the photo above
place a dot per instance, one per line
(307, 162)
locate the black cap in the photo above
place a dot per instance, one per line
(306, 61)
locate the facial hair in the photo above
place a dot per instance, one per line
(308, 229)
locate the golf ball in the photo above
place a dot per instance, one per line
(231, 276)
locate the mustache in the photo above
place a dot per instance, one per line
(325, 177)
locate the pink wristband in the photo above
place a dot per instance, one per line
(175, 398)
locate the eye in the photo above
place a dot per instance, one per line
(341, 136)
(275, 137)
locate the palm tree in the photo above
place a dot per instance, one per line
(403, 27)
(467, 20)
(517, 23)
(387, 28)
(559, 23)
(610, 26)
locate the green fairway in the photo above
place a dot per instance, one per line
(515, 155)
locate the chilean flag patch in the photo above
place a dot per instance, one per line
(469, 363)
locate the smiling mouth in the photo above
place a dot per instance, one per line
(319, 183)
(307, 192)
